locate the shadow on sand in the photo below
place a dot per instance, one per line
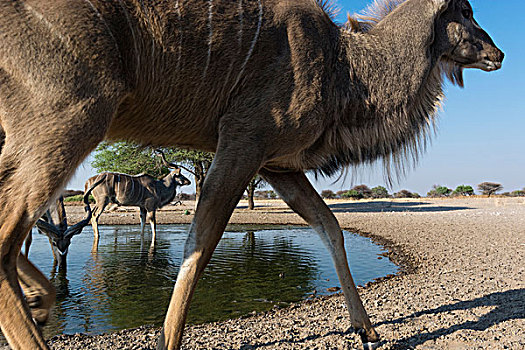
(507, 305)
(388, 206)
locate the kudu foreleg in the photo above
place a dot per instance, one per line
(298, 193)
(221, 192)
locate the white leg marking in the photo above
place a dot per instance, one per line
(99, 15)
(118, 187)
(252, 46)
(210, 36)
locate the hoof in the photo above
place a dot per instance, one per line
(367, 344)
(370, 346)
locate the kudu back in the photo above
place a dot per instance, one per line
(271, 86)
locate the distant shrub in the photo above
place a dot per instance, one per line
(79, 198)
(379, 192)
(363, 190)
(405, 194)
(353, 194)
(464, 190)
(439, 191)
(328, 194)
(339, 194)
(518, 193)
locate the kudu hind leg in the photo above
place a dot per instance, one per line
(298, 193)
(220, 194)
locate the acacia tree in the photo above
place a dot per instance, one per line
(464, 190)
(439, 191)
(489, 188)
(256, 182)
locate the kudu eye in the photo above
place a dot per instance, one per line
(467, 13)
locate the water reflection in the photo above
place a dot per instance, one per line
(126, 285)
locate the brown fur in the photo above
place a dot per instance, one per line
(269, 85)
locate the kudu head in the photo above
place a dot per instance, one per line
(60, 235)
(175, 173)
(461, 40)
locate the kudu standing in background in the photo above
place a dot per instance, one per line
(143, 191)
(270, 86)
(60, 235)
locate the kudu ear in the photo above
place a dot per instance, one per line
(442, 5)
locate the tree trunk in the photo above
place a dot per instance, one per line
(251, 194)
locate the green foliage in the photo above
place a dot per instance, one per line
(339, 194)
(353, 194)
(464, 190)
(379, 192)
(189, 157)
(127, 158)
(518, 193)
(78, 198)
(439, 191)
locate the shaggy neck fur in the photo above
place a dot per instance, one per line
(395, 88)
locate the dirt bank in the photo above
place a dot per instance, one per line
(463, 286)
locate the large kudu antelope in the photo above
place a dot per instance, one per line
(143, 191)
(271, 86)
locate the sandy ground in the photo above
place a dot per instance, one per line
(462, 285)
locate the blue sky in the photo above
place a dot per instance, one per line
(481, 131)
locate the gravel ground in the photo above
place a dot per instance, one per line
(462, 285)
